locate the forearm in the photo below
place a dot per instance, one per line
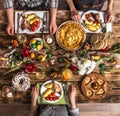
(9, 13)
(73, 105)
(110, 5)
(33, 107)
(71, 5)
(53, 13)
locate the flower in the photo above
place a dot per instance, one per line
(30, 67)
(85, 66)
(14, 43)
(25, 52)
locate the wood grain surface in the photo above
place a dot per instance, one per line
(113, 79)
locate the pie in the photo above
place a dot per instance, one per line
(70, 36)
(94, 86)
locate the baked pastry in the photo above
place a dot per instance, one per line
(99, 41)
(94, 86)
(21, 81)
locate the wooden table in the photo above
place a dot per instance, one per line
(113, 95)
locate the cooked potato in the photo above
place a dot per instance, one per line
(34, 20)
(46, 93)
(49, 85)
(31, 16)
(88, 23)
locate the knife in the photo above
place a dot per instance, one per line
(65, 91)
(18, 18)
(43, 23)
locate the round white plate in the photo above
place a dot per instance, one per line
(27, 30)
(43, 88)
(40, 39)
(92, 11)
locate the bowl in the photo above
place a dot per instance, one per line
(36, 44)
(70, 36)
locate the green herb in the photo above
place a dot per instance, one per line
(12, 70)
(115, 48)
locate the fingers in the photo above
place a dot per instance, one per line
(76, 18)
(73, 87)
(109, 16)
(110, 19)
(53, 29)
(34, 89)
(10, 31)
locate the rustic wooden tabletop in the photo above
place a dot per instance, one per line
(113, 78)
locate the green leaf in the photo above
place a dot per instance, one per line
(12, 70)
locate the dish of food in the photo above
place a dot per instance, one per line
(51, 91)
(36, 44)
(99, 41)
(30, 22)
(70, 36)
(94, 86)
(7, 91)
(92, 21)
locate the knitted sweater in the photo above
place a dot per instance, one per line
(31, 4)
(55, 111)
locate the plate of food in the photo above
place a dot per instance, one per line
(30, 22)
(94, 86)
(36, 44)
(70, 35)
(92, 21)
(51, 92)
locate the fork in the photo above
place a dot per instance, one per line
(104, 27)
(44, 25)
(65, 91)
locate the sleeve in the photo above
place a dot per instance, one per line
(7, 3)
(53, 3)
(74, 112)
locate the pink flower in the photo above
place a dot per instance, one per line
(25, 52)
(30, 67)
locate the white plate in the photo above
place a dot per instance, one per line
(43, 88)
(40, 39)
(27, 30)
(92, 11)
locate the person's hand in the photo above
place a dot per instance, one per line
(34, 95)
(75, 16)
(109, 16)
(72, 95)
(53, 27)
(10, 28)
